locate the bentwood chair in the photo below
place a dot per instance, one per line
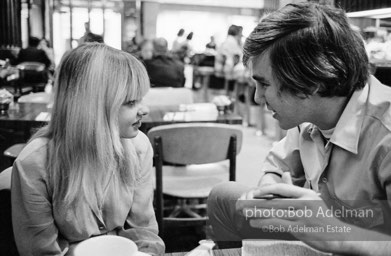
(190, 159)
(38, 97)
(13, 151)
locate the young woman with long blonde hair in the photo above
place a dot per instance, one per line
(89, 172)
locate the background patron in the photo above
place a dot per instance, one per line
(163, 69)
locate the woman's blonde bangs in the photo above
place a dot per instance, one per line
(138, 81)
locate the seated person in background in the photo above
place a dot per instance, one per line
(146, 50)
(45, 46)
(163, 69)
(33, 54)
(211, 44)
(7, 58)
(311, 70)
(89, 172)
(90, 37)
(7, 54)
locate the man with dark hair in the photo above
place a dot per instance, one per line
(163, 69)
(33, 54)
(90, 37)
(311, 70)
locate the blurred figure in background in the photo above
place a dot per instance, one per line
(229, 53)
(163, 69)
(33, 54)
(132, 46)
(45, 46)
(211, 44)
(6, 53)
(91, 37)
(185, 50)
(178, 40)
(187, 45)
(146, 50)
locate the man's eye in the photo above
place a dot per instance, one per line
(263, 84)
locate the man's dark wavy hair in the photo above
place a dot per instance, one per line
(312, 50)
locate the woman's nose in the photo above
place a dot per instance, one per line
(143, 110)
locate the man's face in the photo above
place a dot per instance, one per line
(289, 110)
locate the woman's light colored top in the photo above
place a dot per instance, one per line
(43, 226)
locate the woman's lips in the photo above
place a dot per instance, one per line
(138, 123)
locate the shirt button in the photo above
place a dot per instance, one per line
(101, 227)
(324, 180)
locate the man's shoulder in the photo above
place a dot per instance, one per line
(379, 103)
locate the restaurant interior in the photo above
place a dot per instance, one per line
(204, 97)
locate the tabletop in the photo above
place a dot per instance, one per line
(217, 252)
(26, 116)
(266, 247)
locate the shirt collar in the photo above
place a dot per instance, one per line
(348, 128)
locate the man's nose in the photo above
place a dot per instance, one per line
(259, 96)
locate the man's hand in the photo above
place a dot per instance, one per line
(268, 179)
(301, 210)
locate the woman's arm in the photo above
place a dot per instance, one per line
(34, 229)
(141, 225)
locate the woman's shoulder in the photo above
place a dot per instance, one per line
(34, 148)
(141, 143)
(32, 159)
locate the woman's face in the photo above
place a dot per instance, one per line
(129, 119)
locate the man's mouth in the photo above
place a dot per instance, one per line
(270, 108)
(274, 113)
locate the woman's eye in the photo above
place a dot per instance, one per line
(131, 103)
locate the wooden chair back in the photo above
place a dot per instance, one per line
(194, 143)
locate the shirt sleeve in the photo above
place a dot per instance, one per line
(33, 223)
(385, 177)
(285, 157)
(141, 225)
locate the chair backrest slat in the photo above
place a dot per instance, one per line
(196, 143)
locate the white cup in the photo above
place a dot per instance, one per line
(106, 245)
